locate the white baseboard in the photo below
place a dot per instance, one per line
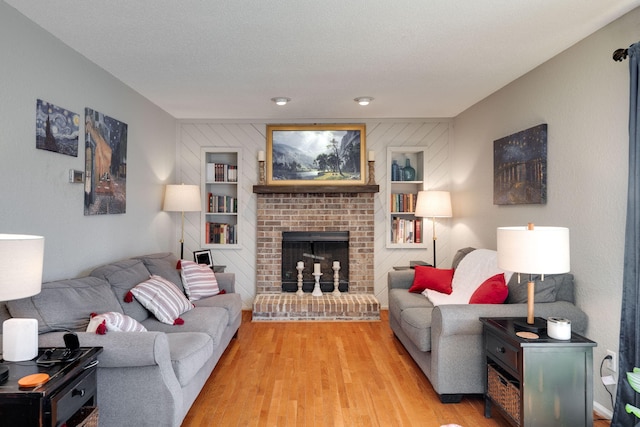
(602, 411)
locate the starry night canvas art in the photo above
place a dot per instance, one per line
(105, 185)
(520, 167)
(56, 129)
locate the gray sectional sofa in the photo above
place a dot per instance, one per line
(446, 340)
(144, 378)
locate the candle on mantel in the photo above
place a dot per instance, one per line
(372, 156)
(336, 264)
(316, 268)
(300, 264)
(261, 157)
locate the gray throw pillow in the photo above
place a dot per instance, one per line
(545, 290)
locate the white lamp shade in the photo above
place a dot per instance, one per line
(21, 259)
(541, 250)
(182, 198)
(433, 204)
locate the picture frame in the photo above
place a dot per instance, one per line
(316, 154)
(203, 256)
(520, 167)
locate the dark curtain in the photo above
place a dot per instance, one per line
(629, 349)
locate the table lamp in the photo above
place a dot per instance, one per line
(533, 250)
(182, 198)
(433, 204)
(21, 259)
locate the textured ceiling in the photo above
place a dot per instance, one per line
(226, 59)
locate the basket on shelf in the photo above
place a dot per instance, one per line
(504, 393)
(87, 416)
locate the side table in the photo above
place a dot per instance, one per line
(71, 386)
(538, 382)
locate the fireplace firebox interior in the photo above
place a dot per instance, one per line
(322, 247)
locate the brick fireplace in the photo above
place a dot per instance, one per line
(312, 212)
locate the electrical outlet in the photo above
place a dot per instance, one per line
(613, 362)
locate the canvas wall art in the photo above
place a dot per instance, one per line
(57, 129)
(315, 154)
(520, 167)
(105, 186)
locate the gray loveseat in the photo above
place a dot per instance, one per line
(446, 340)
(144, 378)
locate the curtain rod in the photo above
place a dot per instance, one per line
(620, 54)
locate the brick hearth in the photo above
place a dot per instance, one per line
(353, 212)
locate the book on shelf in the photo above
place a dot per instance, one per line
(405, 230)
(221, 172)
(403, 202)
(222, 204)
(220, 233)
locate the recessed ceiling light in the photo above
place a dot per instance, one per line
(363, 100)
(281, 100)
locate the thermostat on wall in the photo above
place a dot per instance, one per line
(76, 177)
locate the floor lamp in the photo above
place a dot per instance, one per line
(182, 198)
(21, 259)
(533, 250)
(433, 204)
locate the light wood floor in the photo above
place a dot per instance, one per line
(325, 374)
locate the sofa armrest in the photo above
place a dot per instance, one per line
(226, 281)
(464, 319)
(120, 349)
(401, 279)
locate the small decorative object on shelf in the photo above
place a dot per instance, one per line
(395, 171)
(408, 173)
(262, 177)
(300, 267)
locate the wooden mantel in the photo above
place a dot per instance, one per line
(299, 189)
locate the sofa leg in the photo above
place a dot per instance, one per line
(450, 398)
(235, 336)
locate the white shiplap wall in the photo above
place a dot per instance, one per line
(432, 134)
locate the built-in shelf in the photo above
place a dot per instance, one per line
(300, 189)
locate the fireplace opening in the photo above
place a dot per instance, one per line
(315, 247)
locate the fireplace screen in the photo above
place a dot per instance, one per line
(322, 247)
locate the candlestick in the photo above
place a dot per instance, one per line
(372, 173)
(317, 292)
(336, 278)
(300, 267)
(261, 173)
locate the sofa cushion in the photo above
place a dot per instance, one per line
(198, 280)
(400, 299)
(230, 302)
(163, 264)
(494, 290)
(162, 298)
(66, 304)
(123, 276)
(436, 279)
(210, 320)
(189, 351)
(416, 323)
(545, 290)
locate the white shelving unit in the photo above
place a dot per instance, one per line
(404, 230)
(221, 181)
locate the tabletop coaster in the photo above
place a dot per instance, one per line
(33, 380)
(527, 335)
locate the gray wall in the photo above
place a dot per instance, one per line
(36, 195)
(582, 94)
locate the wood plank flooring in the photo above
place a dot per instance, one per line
(325, 374)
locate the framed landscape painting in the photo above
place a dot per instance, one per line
(316, 154)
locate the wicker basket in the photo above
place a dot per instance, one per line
(504, 392)
(87, 416)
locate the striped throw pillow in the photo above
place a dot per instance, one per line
(113, 321)
(198, 280)
(163, 299)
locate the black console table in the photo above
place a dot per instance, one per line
(71, 386)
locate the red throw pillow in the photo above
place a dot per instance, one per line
(432, 278)
(494, 290)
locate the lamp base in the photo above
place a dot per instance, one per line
(19, 339)
(539, 325)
